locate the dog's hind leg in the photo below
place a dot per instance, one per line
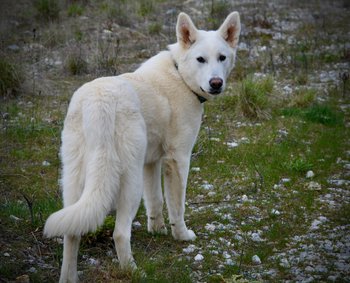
(127, 205)
(132, 143)
(70, 257)
(73, 175)
(153, 197)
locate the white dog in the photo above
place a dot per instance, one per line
(122, 132)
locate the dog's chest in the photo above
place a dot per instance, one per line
(177, 131)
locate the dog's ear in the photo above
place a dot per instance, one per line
(186, 31)
(231, 29)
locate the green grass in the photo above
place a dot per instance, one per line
(279, 138)
(47, 10)
(11, 77)
(254, 97)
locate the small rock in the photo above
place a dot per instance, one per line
(13, 47)
(195, 169)
(245, 198)
(285, 180)
(207, 186)
(226, 255)
(310, 174)
(15, 218)
(314, 186)
(6, 254)
(23, 279)
(189, 249)
(256, 259)
(32, 269)
(275, 212)
(46, 163)
(284, 263)
(232, 144)
(198, 257)
(210, 227)
(332, 278)
(136, 224)
(93, 261)
(256, 237)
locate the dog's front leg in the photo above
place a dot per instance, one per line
(175, 181)
(153, 197)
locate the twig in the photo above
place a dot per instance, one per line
(15, 175)
(30, 206)
(211, 202)
(37, 243)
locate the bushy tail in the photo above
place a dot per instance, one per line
(102, 174)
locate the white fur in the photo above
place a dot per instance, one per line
(120, 131)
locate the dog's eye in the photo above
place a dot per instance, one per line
(222, 58)
(200, 59)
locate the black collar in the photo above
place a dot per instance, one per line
(200, 98)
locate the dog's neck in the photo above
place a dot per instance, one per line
(201, 99)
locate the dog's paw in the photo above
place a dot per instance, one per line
(128, 265)
(157, 227)
(185, 235)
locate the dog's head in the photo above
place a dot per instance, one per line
(206, 58)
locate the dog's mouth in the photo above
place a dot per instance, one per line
(212, 91)
(215, 91)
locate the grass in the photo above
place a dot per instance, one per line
(279, 138)
(254, 95)
(47, 10)
(11, 77)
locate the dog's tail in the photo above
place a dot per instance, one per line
(102, 174)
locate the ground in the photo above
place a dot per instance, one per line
(269, 187)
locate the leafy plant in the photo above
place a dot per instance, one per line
(75, 64)
(47, 10)
(10, 77)
(303, 97)
(323, 114)
(75, 10)
(298, 165)
(253, 97)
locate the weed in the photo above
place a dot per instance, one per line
(107, 56)
(118, 13)
(146, 7)
(323, 114)
(316, 113)
(10, 77)
(47, 10)
(303, 97)
(298, 165)
(75, 63)
(155, 28)
(253, 97)
(54, 36)
(218, 10)
(75, 10)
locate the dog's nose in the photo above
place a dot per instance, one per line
(216, 83)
